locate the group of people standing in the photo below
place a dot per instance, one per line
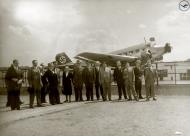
(129, 80)
(43, 81)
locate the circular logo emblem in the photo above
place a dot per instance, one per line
(62, 59)
(184, 5)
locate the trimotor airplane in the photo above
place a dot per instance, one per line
(130, 54)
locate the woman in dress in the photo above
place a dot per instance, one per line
(66, 82)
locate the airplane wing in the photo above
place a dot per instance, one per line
(110, 59)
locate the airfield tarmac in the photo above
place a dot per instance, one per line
(168, 116)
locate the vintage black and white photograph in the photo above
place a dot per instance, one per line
(95, 67)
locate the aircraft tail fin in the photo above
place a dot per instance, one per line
(62, 58)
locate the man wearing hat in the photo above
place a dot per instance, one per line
(78, 81)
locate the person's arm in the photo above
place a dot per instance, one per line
(110, 75)
(94, 74)
(133, 75)
(114, 75)
(84, 75)
(71, 76)
(7, 77)
(146, 73)
(155, 75)
(29, 77)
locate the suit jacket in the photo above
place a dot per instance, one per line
(149, 75)
(34, 78)
(96, 75)
(118, 76)
(52, 78)
(88, 76)
(13, 73)
(128, 75)
(77, 77)
(138, 74)
(105, 75)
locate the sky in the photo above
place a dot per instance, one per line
(39, 29)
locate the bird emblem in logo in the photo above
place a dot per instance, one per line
(184, 5)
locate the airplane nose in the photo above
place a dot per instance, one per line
(167, 48)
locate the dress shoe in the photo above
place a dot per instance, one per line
(21, 102)
(8, 104)
(40, 105)
(31, 107)
(136, 98)
(141, 97)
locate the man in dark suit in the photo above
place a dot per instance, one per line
(34, 80)
(118, 78)
(14, 79)
(88, 78)
(98, 86)
(52, 79)
(149, 75)
(78, 81)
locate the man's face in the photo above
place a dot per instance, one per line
(127, 65)
(16, 63)
(138, 63)
(88, 65)
(104, 65)
(35, 63)
(118, 64)
(50, 66)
